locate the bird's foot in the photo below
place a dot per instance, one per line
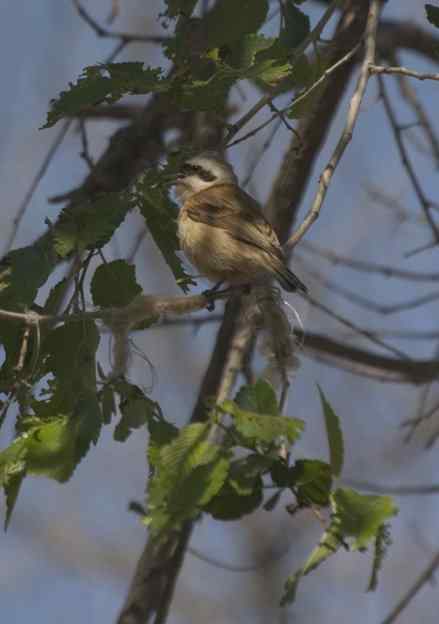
(210, 296)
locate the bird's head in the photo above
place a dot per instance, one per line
(201, 172)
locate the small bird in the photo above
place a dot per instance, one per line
(222, 229)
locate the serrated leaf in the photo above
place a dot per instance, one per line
(108, 405)
(104, 83)
(382, 543)
(91, 224)
(12, 489)
(259, 397)
(312, 481)
(56, 297)
(22, 273)
(355, 517)
(180, 7)
(190, 470)
(245, 474)
(359, 517)
(229, 505)
(328, 545)
(114, 284)
(334, 435)
(432, 14)
(136, 408)
(160, 215)
(51, 450)
(296, 28)
(160, 434)
(263, 428)
(225, 24)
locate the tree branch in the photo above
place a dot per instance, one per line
(345, 139)
(422, 580)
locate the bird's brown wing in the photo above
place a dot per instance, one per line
(228, 207)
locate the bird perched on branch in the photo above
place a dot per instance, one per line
(222, 229)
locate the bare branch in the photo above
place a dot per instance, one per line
(396, 490)
(422, 580)
(370, 267)
(353, 113)
(267, 99)
(108, 34)
(402, 71)
(425, 203)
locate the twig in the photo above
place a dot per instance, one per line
(386, 309)
(423, 578)
(280, 113)
(370, 267)
(59, 138)
(402, 71)
(411, 97)
(396, 490)
(85, 153)
(258, 156)
(425, 203)
(266, 99)
(105, 33)
(362, 332)
(353, 113)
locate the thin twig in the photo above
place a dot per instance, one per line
(105, 33)
(402, 71)
(370, 267)
(353, 113)
(59, 138)
(415, 103)
(359, 330)
(396, 490)
(280, 113)
(267, 99)
(386, 309)
(422, 580)
(85, 153)
(424, 202)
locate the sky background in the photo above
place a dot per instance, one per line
(71, 549)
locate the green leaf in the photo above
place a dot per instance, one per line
(245, 474)
(312, 482)
(382, 543)
(355, 517)
(160, 215)
(70, 354)
(108, 405)
(259, 397)
(328, 545)
(189, 472)
(226, 22)
(114, 284)
(136, 408)
(262, 428)
(91, 224)
(22, 273)
(296, 26)
(359, 517)
(160, 434)
(12, 489)
(432, 14)
(229, 505)
(180, 7)
(334, 435)
(104, 83)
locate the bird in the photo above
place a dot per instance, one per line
(222, 230)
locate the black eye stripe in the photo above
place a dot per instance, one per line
(190, 169)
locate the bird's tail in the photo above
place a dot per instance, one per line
(288, 280)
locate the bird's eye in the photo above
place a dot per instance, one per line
(187, 169)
